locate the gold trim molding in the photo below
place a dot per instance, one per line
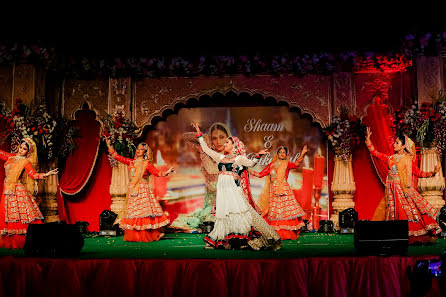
(311, 93)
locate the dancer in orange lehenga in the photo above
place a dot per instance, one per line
(143, 216)
(277, 202)
(18, 208)
(403, 202)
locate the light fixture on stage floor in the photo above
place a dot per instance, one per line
(305, 228)
(82, 226)
(326, 226)
(106, 226)
(206, 227)
(347, 219)
(442, 221)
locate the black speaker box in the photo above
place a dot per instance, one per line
(381, 237)
(53, 240)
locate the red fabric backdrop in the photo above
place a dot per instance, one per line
(87, 183)
(4, 147)
(325, 276)
(80, 164)
(94, 198)
(379, 120)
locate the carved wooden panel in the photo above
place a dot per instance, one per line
(429, 78)
(368, 86)
(6, 84)
(78, 92)
(24, 83)
(120, 96)
(343, 92)
(39, 83)
(311, 93)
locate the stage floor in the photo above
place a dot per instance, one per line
(191, 246)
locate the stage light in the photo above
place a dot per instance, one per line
(347, 219)
(326, 226)
(442, 221)
(206, 227)
(305, 228)
(106, 226)
(82, 226)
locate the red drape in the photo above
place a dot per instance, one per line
(4, 147)
(94, 198)
(379, 120)
(370, 173)
(369, 189)
(80, 164)
(325, 276)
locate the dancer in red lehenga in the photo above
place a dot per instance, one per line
(143, 216)
(403, 202)
(277, 202)
(18, 208)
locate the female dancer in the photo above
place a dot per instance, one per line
(18, 208)
(218, 133)
(143, 216)
(403, 202)
(277, 200)
(237, 224)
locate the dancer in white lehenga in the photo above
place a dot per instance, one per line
(237, 223)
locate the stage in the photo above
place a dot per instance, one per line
(316, 264)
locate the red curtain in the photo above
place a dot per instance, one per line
(80, 164)
(85, 182)
(94, 198)
(369, 189)
(379, 120)
(4, 147)
(370, 173)
(325, 276)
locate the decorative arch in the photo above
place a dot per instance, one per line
(311, 94)
(86, 106)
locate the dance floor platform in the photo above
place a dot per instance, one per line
(316, 264)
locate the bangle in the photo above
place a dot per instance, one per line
(257, 156)
(199, 134)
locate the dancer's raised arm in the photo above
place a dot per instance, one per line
(372, 149)
(213, 154)
(299, 160)
(114, 154)
(242, 160)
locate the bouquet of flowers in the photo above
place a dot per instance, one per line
(122, 133)
(425, 124)
(35, 122)
(344, 133)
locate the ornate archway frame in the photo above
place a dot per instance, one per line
(311, 94)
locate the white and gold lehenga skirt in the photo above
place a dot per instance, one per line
(236, 219)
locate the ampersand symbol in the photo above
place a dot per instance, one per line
(268, 140)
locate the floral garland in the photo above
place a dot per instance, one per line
(35, 122)
(426, 124)
(344, 134)
(122, 133)
(319, 63)
(139, 67)
(426, 43)
(35, 52)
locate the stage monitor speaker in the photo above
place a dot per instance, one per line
(381, 237)
(53, 240)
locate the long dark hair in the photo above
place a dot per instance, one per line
(400, 135)
(219, 127)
